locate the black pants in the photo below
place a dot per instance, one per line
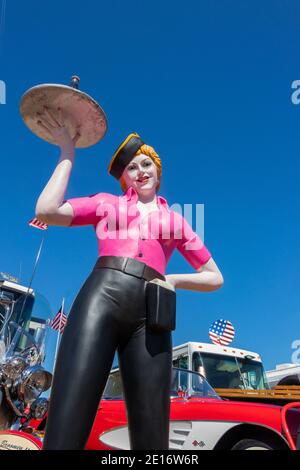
(108, 314)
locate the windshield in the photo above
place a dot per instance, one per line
(29, 312)
(14, 306)
(30, 350)
(192, 383)
(230, 372)
(182, 381)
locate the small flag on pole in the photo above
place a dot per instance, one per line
(59, 321)
(37, 224)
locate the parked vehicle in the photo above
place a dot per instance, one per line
(199, 419)
(24, 317)
(284, 374)
(236, 374)
(22, 381)
(222, 366)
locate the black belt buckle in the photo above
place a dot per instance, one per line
(133, 267)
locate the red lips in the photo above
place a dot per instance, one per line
(144, 178)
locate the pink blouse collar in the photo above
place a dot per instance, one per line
(131, 194)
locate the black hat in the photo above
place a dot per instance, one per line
(124, 154)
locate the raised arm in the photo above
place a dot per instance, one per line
(50, 207)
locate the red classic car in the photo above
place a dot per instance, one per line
(199, 419)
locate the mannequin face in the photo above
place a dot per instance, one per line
(141, 174)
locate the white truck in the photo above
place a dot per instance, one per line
(235, 374)
(238, 374)
(222, 366)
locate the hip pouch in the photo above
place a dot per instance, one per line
(160, 306)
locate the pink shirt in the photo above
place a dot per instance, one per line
(121, 231)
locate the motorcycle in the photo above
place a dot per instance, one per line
(22, 381)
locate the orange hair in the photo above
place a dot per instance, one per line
(150, 152)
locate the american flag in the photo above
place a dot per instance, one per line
(37, 224)
(59, 321)
(221, 332)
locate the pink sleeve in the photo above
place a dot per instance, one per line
(85, 209)
(191, 246)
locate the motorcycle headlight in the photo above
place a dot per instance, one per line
(13, 367)
(31, 355)
(39, 408)
(33, 381)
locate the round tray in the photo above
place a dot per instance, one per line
(81, 113)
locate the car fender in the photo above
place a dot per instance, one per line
(250, 430)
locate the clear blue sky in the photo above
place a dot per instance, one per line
(208, 84)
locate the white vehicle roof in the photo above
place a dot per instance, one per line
(215, 349)
(282, 370)
(16, 287)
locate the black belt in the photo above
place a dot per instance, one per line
(128, 266)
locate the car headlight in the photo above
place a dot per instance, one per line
(33, 381)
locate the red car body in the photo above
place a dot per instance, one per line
(199, 420)
(208, 424)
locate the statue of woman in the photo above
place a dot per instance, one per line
(137, 233)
